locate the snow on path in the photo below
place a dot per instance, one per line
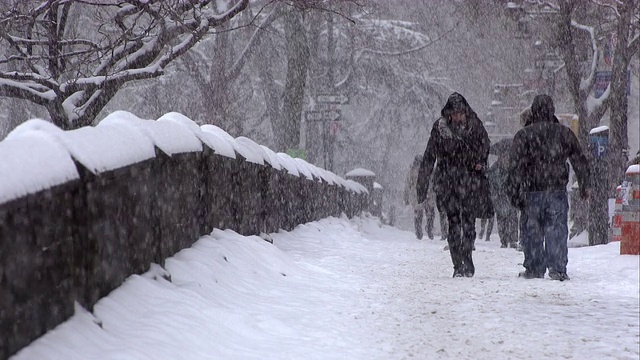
(353, 289)
(417, 310)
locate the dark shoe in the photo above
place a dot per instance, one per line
(458, 273)
(503, 246)
(530, 275)
(560, 276)
(513, 245)
(487, 239)
(443, 237)
(469, 273)
(480, 235)
(467, 261)
(430, 235)
(419, 235)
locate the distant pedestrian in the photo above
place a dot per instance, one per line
(444, 224)
(460, 145)
(525, 120)
(536, 184)
(525, 117)
(424, 209)
(486, 225)
(506, 214)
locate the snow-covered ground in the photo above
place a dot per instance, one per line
(353, 289)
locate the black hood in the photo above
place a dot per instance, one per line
(542, 109)
(455, 103)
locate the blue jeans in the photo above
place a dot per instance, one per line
(544, 231)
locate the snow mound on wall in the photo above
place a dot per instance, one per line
(32, 161)
(38, 155)
(170, 137)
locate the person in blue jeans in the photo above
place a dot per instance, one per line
(536, 184)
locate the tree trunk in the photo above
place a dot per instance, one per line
(297, 66)
(218, 85)
(272, 96)
(567, 49)
(618, 136)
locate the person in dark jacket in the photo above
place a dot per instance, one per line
(420, 210)
(506, 214)
(536, 184)
(460, 144)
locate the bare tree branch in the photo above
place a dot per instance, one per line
(75, 71)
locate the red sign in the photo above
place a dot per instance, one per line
(334, 128)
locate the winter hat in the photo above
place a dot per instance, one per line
(542, 109)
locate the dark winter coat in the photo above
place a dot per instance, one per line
(539, 153)
(457, 185)
(497, 175)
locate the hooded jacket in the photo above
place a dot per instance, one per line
(457, 150)
(539, 154)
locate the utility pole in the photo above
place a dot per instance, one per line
(598, 208)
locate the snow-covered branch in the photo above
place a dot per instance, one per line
(50, 63)
(586, 83)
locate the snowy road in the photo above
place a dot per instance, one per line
(341, 289)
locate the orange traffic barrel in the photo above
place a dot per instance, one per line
(630, 214)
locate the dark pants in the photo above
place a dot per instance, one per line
(462, 232)
(444, 225)
(544, 231)
(488, 224)
(429, 213)
(508, 227)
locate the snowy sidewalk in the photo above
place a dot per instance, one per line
(352, 289)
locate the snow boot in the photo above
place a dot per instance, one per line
(530, 275)
(560, 276)
(457, 260)
(418, 228)
(467, 260)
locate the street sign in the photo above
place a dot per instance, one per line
(599, 141)
(333, 99)
(599, 146)
(327, 106)
(322, 115)
(603, 78)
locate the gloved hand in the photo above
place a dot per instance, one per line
(518, 201)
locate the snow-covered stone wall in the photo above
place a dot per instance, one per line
(82, 210)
